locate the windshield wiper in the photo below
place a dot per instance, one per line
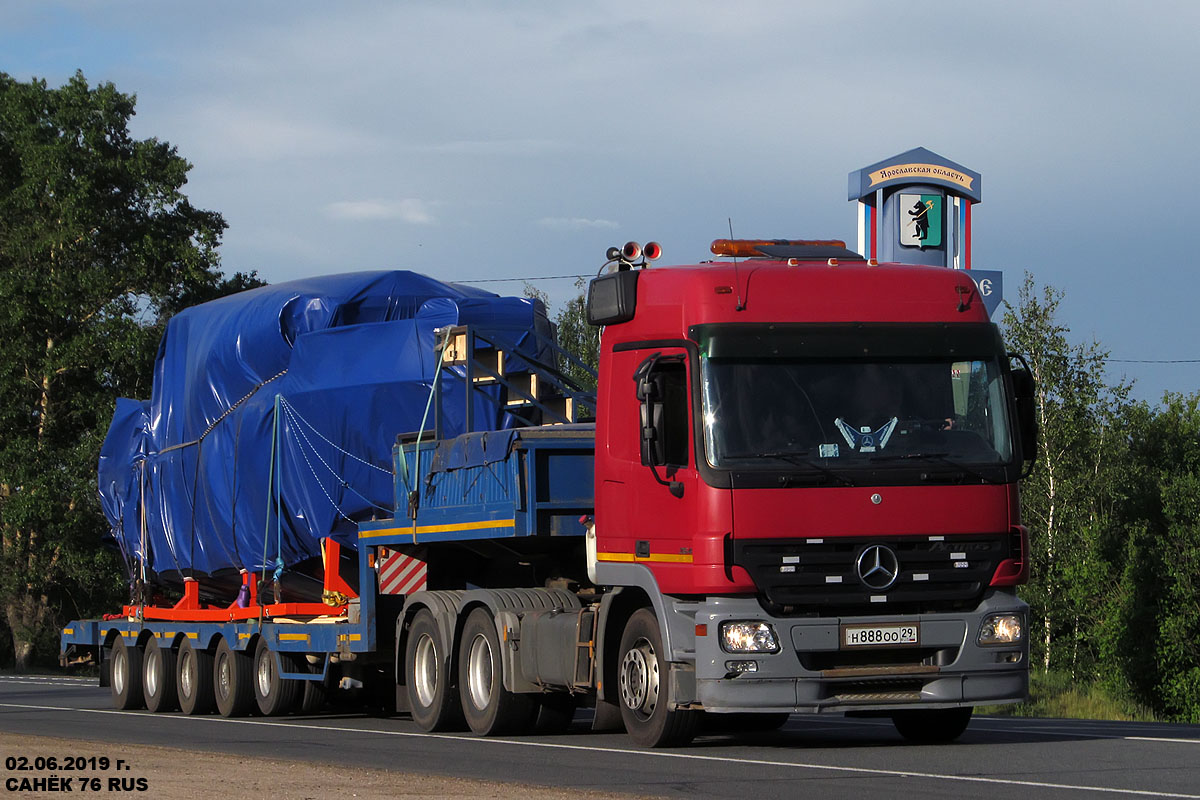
(939, 457)
(797, 458)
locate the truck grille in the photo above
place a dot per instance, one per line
(826, 576)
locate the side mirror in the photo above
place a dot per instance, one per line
(1023, 397)
(612, 298)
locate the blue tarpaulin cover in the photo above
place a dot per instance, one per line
(186, 478)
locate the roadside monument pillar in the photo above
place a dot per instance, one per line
(915, 208)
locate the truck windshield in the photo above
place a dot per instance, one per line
(889, 408)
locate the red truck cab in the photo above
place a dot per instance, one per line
(808, 464)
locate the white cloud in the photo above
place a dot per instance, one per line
(575, 223)
(410, 210)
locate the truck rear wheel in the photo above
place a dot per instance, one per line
(194, 679)
(233, 681)
(644, 685)
(274, 694)
(125, 677)
(934, 725)
(489, 708)
(158, 677)
(432, 700)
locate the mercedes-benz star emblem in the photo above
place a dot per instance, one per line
(877, 567)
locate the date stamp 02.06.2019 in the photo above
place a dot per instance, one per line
(70, 774)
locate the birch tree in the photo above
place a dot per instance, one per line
(1066, 502)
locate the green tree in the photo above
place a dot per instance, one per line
(1068, 501)
(579, 338)
(98, 245)
(1155, 640)
(574, 334)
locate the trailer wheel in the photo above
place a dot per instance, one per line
(433, 701)
(644, 681)
(275, 695)
(490, 709)
(233, 681)
(126, 675)
(933, 725)
(158, 677)
(314, 695)
(194, 679)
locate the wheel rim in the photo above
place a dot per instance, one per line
(640, 679)
(264, 674)
(224, 679)
(479, 672)
(425, 670)
(185, 673)
(119, 672)
(151, 676)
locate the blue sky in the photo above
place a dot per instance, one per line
(473, 140)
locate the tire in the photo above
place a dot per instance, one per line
(934, 725)
(644, 687)
(488, 707)
(274, 695)
(432, 700)
(314, 695)
(158, 677)
(125, 676)
(194, 679)
(233, 681)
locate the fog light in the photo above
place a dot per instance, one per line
(738, 667)
(1001, 629)
(748, 637)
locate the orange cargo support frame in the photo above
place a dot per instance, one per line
(335, 588)
(337, 593)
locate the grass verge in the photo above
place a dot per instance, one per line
(1058, 695)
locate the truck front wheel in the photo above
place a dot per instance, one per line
(433, 702)
(932, 726)
(644, 681)
(489, 708)
(126, 675)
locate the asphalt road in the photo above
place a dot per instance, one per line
(811, 757)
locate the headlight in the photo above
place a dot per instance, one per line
(1002, 629)
(748, 637)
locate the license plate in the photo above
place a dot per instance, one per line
(879, 635)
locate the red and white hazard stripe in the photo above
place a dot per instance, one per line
(401, 574)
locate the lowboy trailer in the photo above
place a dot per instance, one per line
(794, 491)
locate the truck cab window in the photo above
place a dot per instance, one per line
(904, 402)
(664, 411)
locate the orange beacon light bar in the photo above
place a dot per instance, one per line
(748, 248)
